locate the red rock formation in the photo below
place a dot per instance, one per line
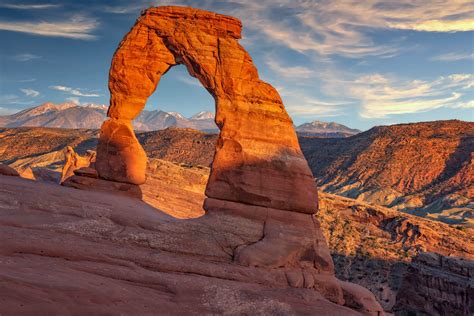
(81, 252)
(8, 171)
(437, 285)
(258, 160)
(73, 161)
(258, 174)
(426, 168)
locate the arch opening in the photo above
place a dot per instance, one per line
(179, 100)
(176, 128)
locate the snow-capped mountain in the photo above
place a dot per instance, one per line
(325, 129)
(203, 115)
(71, 115)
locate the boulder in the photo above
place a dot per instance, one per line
(8, 171)
(73, 161)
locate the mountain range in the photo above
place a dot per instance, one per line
(71, 115)
(329, 129)
(91, 116)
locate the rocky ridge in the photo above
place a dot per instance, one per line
(424, 169)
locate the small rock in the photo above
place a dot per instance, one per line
(86, 172)
(8, 171)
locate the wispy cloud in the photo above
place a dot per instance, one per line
(288, 71)
(189, 80)
(125, 9)
(344, 28)
(301, 104)
(30, 92)
(453, 57)
(74, 91)
(13, 99)
(29, 6)
(382, 96)
(77, 27)
(74, 100)
(25, 57)
(7, 111)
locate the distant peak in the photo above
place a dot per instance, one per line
(95, 106)
(49, 106)
(320, 127)
(203, 115)
(176, 114)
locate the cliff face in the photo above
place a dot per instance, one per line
(422, 168)
(375, 247)
(437, 285)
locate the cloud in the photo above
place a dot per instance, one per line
(26, 80)
(7, 111)
(29, 6)
(301, 104)
(74, 91)
(343, 28)
(74, 100)
(126, 9)
(382, 96)
(25, 57)
(453, 57)
(14, 99)
(77, 27)
(188, 79)
(288, 71)
(30, 92)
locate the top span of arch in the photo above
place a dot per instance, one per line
(205, 21)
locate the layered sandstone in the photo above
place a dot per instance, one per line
(259, 176)
(73, 161)
(258, 160)
(73, 251)
(437, 285)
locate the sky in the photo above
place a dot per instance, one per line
(359, 63)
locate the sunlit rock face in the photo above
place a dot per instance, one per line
(258, 160)
(259, 174)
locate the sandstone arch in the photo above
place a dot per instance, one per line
(258, 160)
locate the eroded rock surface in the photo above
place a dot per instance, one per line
(8, 171)
(259, 229)
(258, 160)
(74, 161)
(437, 285)
(96, 252)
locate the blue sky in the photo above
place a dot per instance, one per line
(359, 63)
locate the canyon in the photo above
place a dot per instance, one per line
(374, 246)
(178, 221)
